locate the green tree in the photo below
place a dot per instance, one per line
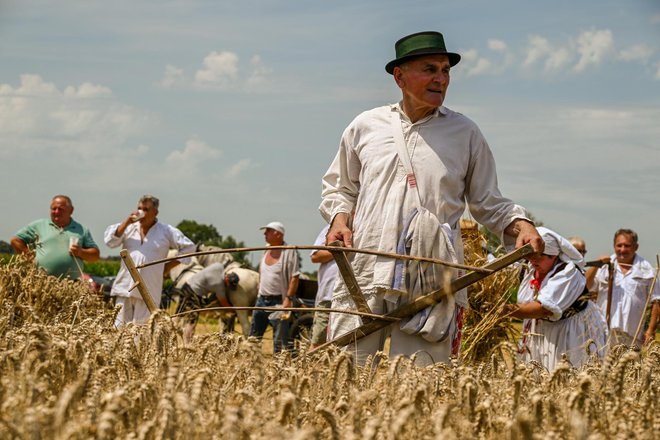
(5, 248)
(201, 233)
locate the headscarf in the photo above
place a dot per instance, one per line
(555, 244)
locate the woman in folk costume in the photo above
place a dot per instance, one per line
(554, 303)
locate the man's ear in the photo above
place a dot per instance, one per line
(397, 73)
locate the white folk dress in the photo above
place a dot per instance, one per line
(545, 340)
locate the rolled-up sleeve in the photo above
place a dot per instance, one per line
(28, 233)
(182, 243)
(109, 237)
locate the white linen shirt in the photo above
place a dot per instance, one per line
(159, 240)
(327, 272)
(452, 163)
(629, 293)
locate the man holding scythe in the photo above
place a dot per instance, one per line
(408, 170)
(631, 287)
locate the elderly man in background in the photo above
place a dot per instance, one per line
(278, 283)
(147, 240)
(408, 170)
(579, 244)
(633, 278)
(62, 244)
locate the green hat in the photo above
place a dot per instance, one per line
(421, 43)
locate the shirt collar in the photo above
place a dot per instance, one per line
(440, 111)
(63, 228)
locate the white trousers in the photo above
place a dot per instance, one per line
(425, 352)
(132, 310)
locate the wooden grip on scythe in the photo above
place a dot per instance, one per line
(348, 275)
(139, 282)
(422, 302)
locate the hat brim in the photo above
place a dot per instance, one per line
(454, 58)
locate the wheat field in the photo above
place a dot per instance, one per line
(66, 373)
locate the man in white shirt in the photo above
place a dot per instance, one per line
(326, 283)
(633, 277)
(448, 164)
(147, 240)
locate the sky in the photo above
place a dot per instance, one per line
(231, 111)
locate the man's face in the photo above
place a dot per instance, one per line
(272, 237)
(581, 248)
(150, 212)
(424, 81)
(60, 212)
(625, 248)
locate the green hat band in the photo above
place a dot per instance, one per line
(421, 41)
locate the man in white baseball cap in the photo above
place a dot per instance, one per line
(276, 226)
(278, 272)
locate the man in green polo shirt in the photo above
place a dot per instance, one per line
(61, 243)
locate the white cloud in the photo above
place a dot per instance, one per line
(540, 49)
(194, 152)
(481, 67)
(637, 52)
(537, 49)
(260, 72)
(236, 169)
(590, 47)
(558, 59)
(593, 47)
(474, 64)
(220, 70)
(497, 45)
(83, 118)
(173, 76)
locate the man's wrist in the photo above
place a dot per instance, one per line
(518, 224)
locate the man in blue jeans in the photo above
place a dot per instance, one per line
(278, 273)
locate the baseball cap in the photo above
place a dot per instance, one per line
(277, 226)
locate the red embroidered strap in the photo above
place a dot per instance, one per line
(411, 180)
(456, 341)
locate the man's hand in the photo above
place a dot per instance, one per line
(20, 247)
(74, 250)
(287, 303)
(648, 337)
(525, 232)
(339, 231)
(89, 255)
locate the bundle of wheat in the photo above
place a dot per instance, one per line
(484, 326)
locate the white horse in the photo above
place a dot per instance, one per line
(245, 294)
